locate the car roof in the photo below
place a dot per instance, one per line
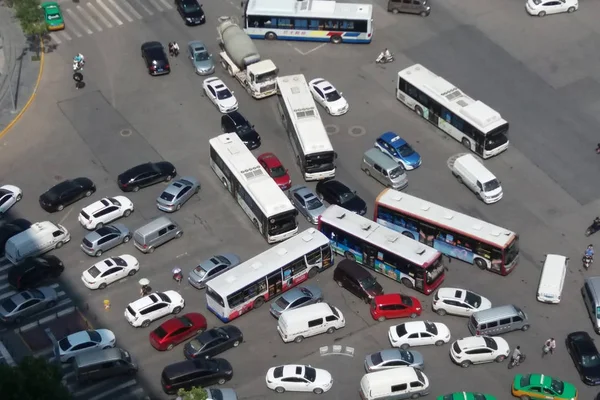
(293, 294)
(393, 138)
(238, 118)
(97, 206)
(176, 187)
(292, 370)
(335, 185)
(270, 159)
(197, 45)
(172, 324)
(472, 341)
(146, 301)
(152, 45)
(414, 326)
(62, 186)
(390, 354)
(79, 337)
(389, 298)
(450, 293)
(324, 85)
(304, 192)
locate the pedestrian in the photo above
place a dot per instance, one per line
(177, 275)
(549, 347)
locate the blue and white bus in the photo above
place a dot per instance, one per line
(309, 20)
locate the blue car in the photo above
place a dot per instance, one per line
(395, 147)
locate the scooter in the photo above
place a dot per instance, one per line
(587, 261)
(516, 361)
(383, 59)
(78, 66)
(593, 228)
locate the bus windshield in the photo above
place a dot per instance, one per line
(512, 251)
(283, 222)
(320, 162)
(496, 138)
(434, 271)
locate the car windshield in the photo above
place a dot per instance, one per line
(8, 305)
(278, 172)
(431, 328)
(310, 374)
(94, 271)
(200, 271)
(557, 386)
(190, 7)
(167, 196)
(524, 381)
(490, 343)
(473, 299)
(313, 204)
(223, 260)
(224, 94)
(376, 358)
(590, 360)
(160, 332)
(202, 56)
(405, 150)
(407, 356)
(64, 344)
(396, 172)
(491, 185)
(368, 283)
(332, 96)
(282, 303)
(119, 261)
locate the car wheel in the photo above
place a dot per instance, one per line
(318, 391)
(176, 310)
(98, 253)
(150, 250)
(146, 323)
(170, 347)
(60, 207)
(331, 330)
(395, 11)
(51, 304)
(465, 364)
(127, 213)
(179, 234)
(424, 14)
(221, 381)
(59, 245)
(459, 179)
(88, 193)
(136, 189)
(107, 347)
(439, 343)
(415, 396)
(98, 225)
(413, 315)
(19, 197)
(279, 389)
(499, 359)
(525, 327)
(197, 190)
(236, 343)
(126, 239)
(367, 172)
(298, 339)
(168, 178)
(102, 286)
(541, 14)
(381, 319)
(405, 346)
(441, 311)
(178, 207)
(132, 272)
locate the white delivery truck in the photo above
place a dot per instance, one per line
(474, 175)
(40, 238)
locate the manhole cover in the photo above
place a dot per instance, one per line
(332, 129)
(125, 132)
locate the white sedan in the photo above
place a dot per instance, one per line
(418, 333)
(9, 195)
(220, 95)
(106, 210)
(459, 302)
(327, 95)
(67, 348)
(298, 378)
(541, 8)
(479, 350)
(108, 271)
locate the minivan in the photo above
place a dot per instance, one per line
(591, 298)
(498, 320)
(156, 233)
(552, 278)
(357, 280)
(103, 364)
(190, 373)
(475, 176)
(385, 170)
(40, 238)
(394, 384)
(420, 7)
(300, 323)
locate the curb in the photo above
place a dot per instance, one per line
(32, 97)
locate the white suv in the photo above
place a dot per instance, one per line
(154, 306)
(459, 302)
(479, 350)
(104, 211)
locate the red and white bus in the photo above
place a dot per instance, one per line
(267, 275)
(383, 250)
(454, 234)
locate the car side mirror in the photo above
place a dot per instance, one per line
(335, 156)
(232, 92)
(341, 93)
(252, 126)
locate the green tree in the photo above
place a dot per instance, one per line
(33, 379)
(31, 17)
(195, 393)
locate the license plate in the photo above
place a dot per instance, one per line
(159, 70)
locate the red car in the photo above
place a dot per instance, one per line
(395, 305)
(177, 330)
(275, 169)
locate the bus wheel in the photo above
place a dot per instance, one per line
(406, 282)
(349, 256)
(466, 143)
(258, 302)
(419, 111)
(336, 39)
(255, 222)
(271, 36)
(482, 265)
(312, 273)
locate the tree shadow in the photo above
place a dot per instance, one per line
(34, 46)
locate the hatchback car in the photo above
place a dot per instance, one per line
(297, 297)
(327, 95)
(103, 239)
(275, 169)
(298, 378)
(335, 192)
(479, 350)
(145, 175)
(9, 196)
(541, 8)
(65, 193)
(541, 386)
(585, 356)
(466, 396)
(21, 305)
(395, 305)
(234, 122)
(191, 12)
(212, 342)
(104, 211)
(398, 150)
(177, 193)
(393, 358)
(220, 95)
(83, 341)
(35, 271)
(195, 373)
(201, 59)
(108, 271)
(211, 268)
(11, 229)
(155, 58)
(143, 311)
(418, 333)
(307, 203)
(459, 302)
(176, 330)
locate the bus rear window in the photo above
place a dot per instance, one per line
(215, 296)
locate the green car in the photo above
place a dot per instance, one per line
(539, 386)
(467, 396)
(53, 16)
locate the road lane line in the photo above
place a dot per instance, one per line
(131, 10)
(99, 15)
(3, 277)
(65, 35)
(114, 390)
(75, 31)
(7, 294)
(109, 12)
(155, 4)
(120, 10)
(5, 286)
(55, 38)
(166, 4)
(5, 267)
(91, 20)
(144, 7)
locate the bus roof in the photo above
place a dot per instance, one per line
(379, 235)
(261, 187)
(304, 114)
(442, 216)
(267, 262)
(310, 8)
(475, 112)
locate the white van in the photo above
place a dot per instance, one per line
(394, 384)
(468, 170)
(40, 238)
(552, 278)
(303, 322)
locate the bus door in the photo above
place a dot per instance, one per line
(369, 255)
(275, 283)
(479, 141)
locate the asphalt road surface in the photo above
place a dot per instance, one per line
(542, 75)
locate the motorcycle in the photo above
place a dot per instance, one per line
(516, 361)
(593, 228)
(383, 59)
(587, 261)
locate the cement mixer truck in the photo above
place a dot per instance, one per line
(241, 60)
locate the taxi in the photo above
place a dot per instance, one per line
(53, 16)
(540, 386)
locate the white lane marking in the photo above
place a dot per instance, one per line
(166, 4)
(89, 18)
(7, 294)
(99, 15)
(63, 219)
(55, 38)
(131, 9)
(5, 267)
(120, 10)
(79, 22)
(109, 12)
(155, 4)
(3, 277)
(144, 7)
(305, 53)
(75, 31)
(65, 35)
(107, 393)
(5, 286)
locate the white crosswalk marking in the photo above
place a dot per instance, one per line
(131, 10)
(79, 22)
(155, 4)
(109, 12)
(99, 15)
(166, 4)
(73, 30)
(91, 20)
(120, 10)
(65, 35)
(144, 7)
(55, 38)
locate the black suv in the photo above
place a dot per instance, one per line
(335, 192)
(35, 271)
(65, 193)
(585, 356)
(145, 175)
(191, 12)
(234, 122)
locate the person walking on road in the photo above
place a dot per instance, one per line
(549, 347)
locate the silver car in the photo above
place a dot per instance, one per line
(177, 193)
(393, 358)
(211, 268)
(299, 296)
(29, 302)
(201, 59)
(105, 238)
(221, 394)
(307, 202)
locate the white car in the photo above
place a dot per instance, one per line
(327, 95)
(479, 350)
(541, 8)
(220, 95)
(459, 302)
(298, 378)
(154, 306)
(67, 348)
(102, 274)
(418, 333)
(103, 211)
(9, 195)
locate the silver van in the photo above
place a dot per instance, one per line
(381, 167)
(420, 7)
(498, 320)
(591, 298)
(155, 233)
(103, 364)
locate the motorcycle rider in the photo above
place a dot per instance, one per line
(385, 56)
(596, 223)
(589, 252)
(79, 60)
(173, 49)
(516, 355)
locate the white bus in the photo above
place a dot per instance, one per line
(309, 20)
(270, 273)
(302, 121)
(255, 191)
(478, 127)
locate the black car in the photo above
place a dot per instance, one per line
(213, 342)
(335, 192)
(189, 373)
(585, 355)
(156, 59)
(65, 193)
(191, 12)
(145, 175)
(11, 229)
(234, 122)
(35, 271)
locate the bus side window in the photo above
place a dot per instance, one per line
(446, 115)
(423, 99)
(313, 24)
(411, 90)
(458, 122)
(402, 85)
(300, 24)
(284, 23)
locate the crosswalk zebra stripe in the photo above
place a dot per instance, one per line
(55, 38)
(109, 12)
(120, 10)
(91, 20)
(155, 4)
(75, 31)
(166, 4)
(114, 390)
(99, 15)
(65, 35)
(144, 7)
(131, 10)
(79, 22)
